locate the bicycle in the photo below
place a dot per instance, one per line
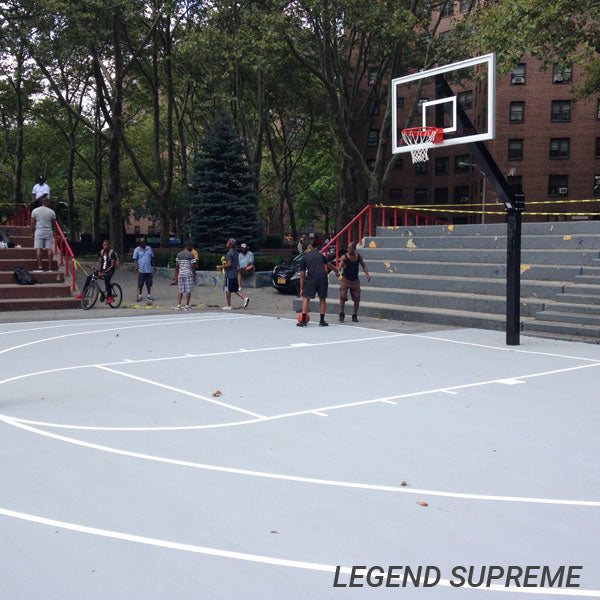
(92, 292)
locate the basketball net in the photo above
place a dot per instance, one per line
(420, 139)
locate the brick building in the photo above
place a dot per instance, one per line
(547, 145)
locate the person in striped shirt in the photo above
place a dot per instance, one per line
(185, 274)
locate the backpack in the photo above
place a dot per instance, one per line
(23, 277)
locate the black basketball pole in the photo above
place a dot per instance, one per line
(514, 210)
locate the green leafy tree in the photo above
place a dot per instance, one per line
(224, 202)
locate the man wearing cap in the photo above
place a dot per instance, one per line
(350, 281)
(230, 268)
(246, 262)
(40, 191)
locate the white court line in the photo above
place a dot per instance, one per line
(257, 558)
(184, 392)
(321, 414)
(389, 402)
(89, 332)
(447, 390)
(294, 478)
(511, 381)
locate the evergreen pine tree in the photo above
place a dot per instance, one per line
(224, 203)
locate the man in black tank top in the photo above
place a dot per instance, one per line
(350, 281)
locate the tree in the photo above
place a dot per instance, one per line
(224, 202)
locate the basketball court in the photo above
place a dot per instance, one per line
(238, 456)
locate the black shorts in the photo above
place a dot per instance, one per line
(231, 285)
(144, 278)
(315, 286)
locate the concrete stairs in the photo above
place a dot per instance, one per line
(52, 292)
(456, 275)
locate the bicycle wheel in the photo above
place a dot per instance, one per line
(89, 295)
(117, 295)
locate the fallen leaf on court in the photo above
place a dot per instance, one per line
(404, 483)
(217, 394)
(275, 531)
(422, 504)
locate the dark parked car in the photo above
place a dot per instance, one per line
(286, 276)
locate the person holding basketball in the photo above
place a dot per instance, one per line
(350, 281)
(313, 281)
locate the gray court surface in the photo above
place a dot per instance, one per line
(218, 456)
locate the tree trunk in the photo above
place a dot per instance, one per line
(98, 164)
(291, 213)
(20, 119)
(70, 190)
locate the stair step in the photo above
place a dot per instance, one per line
(19, 230)
(471, 285)
(562, 228)
(494, 304)
(566, 307)
(579, 298)
(563, 336)
(18, 253)
(582, 288)
(578, 258)
(588, 279)
(39, 303)
(46, 277)
(469, 269)
(543, 242)
(438, 316)
(42, 290)
(27, 263)
(568, 317)
(577, 329)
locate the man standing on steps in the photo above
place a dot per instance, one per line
(40, 191)
(43, 223)
(313, 280)
(350, 281)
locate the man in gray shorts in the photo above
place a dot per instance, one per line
(43, 222)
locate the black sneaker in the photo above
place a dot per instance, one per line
(355, 318)
(342, 315)
(101, 298)
(301, 324)
(323, 324)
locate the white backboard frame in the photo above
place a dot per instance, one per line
(490, 134)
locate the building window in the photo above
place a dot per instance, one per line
(442, 165)
(440, 195)
(395, 194)
(598, 147)
(372, 77)
(373, 107)
(448, 9)
(136, 230)
(464, 6)
(515, 182)
(421, 168)
(462, 194)
(400, 102)
(517, 112)
(515, 149)
(562, 74)
(517, 76)
(596, 185)
(373, 139)
(422, 101)
(560, 147)
(465, 99)
(461, 168)
(561, 110)
(558, 185)
(420, 195)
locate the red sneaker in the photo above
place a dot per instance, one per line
(109, 300)
(79, 296)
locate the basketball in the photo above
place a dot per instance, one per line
(300, 317)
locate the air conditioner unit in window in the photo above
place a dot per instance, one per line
(563, 191)
(518, 79)
(557, 78)
(464, 199)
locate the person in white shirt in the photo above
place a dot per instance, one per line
(40, 191)
(43, 223)
(246, 264)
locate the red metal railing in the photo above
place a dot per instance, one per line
(363, 222)
(67, 257)
(19, 219)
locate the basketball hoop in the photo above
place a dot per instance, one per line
(420, 139)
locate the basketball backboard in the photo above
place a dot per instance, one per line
(433, 98)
